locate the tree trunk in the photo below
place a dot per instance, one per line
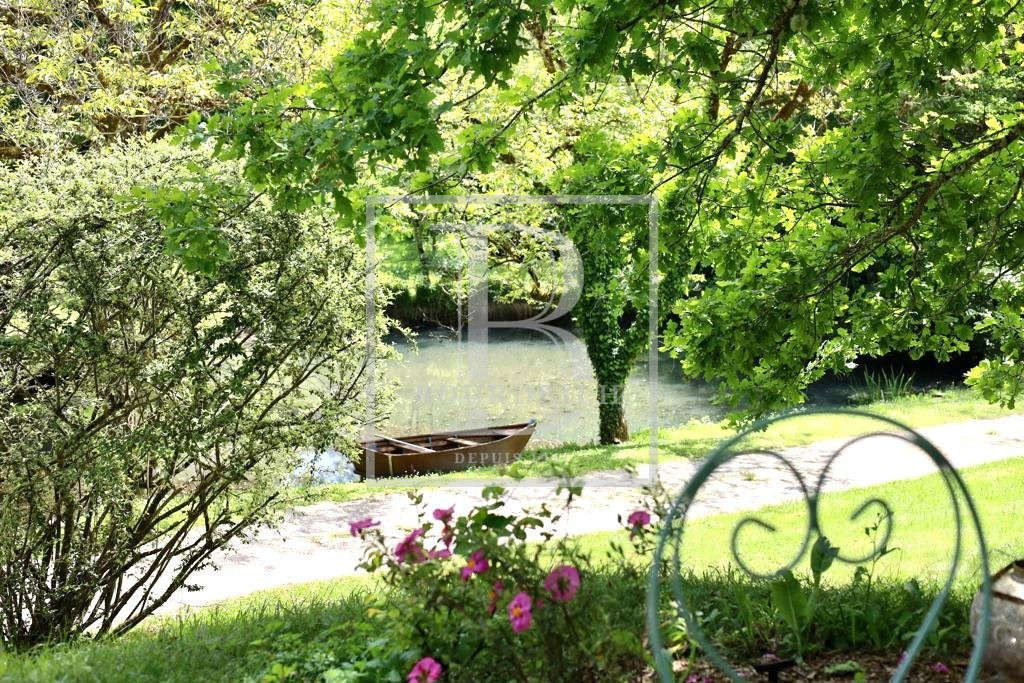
(612, 416)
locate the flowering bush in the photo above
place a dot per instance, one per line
(488, 594)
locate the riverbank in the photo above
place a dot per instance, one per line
(312, 542)
(689, 441)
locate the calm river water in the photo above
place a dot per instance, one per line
(443, 383)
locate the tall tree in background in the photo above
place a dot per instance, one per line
(613, 242)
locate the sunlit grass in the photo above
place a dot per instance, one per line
(923, 528)
(225, 642)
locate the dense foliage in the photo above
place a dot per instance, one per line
(838, 179)
(836, 175)
(613, 241)
(148, 413)
(73, 75)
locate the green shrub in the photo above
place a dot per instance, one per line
(148, 412)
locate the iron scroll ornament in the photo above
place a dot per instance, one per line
(674, 523)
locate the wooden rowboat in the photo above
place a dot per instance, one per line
(444, 451)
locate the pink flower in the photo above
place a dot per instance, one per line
(357, 527)
(496, 590)
(519, 612)
(427, 670)
(442, 554)
(940, 668)
(639, 518)
(562, 583)
(445, 515)
(410, 549)
(476, 564)
(697, 678)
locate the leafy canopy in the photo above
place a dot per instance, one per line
(840, 179)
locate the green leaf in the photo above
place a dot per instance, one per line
(847, 668)
(492, 492)
(823, 554)
(789, 601)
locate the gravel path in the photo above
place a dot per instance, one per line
(313, 541)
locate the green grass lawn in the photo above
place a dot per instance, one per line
(238, 638)
(923, 528)
(689, 441)
(224, 643)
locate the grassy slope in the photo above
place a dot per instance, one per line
(224, 642)
(693, 440)
(923, 528)
(218, 643)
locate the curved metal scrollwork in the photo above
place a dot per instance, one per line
(670, 541)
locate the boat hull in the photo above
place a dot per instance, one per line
(502, 450)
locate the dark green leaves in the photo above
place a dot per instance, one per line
(823, 554)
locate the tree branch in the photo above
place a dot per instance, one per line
(868, 244)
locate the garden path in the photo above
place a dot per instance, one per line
(313, 542)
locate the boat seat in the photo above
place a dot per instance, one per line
(416, 448)
(462, 442)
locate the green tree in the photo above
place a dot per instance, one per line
(613, 242)
(837, 174)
